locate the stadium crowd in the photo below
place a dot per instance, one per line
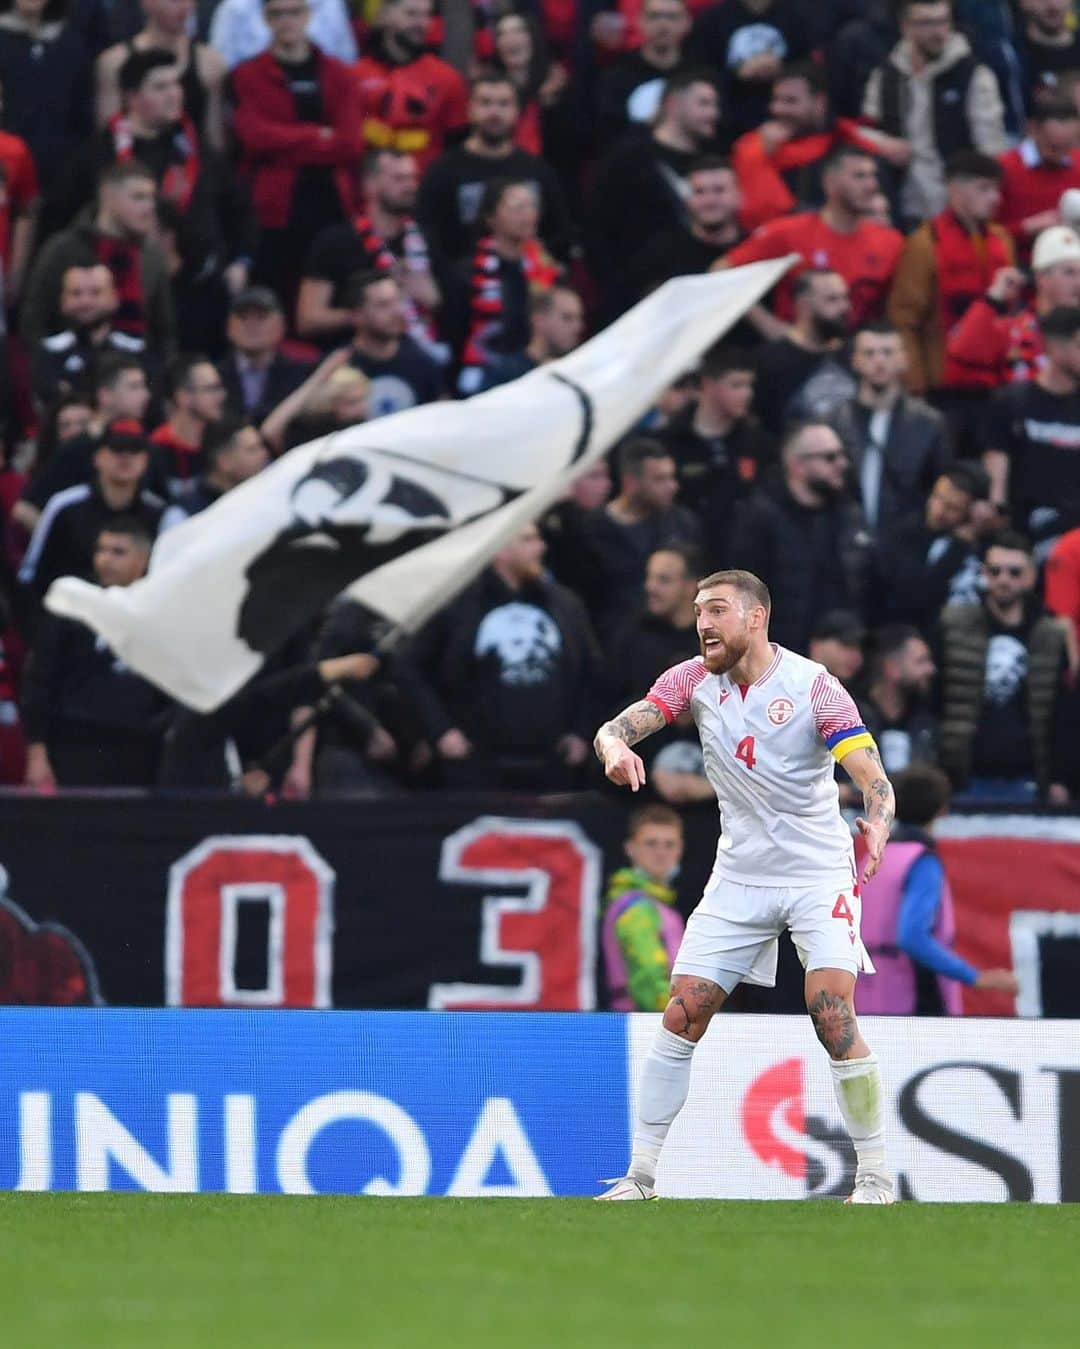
(226, 229)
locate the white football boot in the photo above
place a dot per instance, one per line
(627, 1187)
(872, 1188)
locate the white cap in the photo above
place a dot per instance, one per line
(1069, 206)
(1057, 244)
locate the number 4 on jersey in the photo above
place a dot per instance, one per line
(744, 750)
(841, 910)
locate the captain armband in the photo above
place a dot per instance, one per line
(845, 742)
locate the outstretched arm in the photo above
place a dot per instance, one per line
(613, 740)
(866, 770)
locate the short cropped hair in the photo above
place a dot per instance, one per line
(685, 552)
(123, 171)
(721, 360)
(634, 452)
(812, 74)
(839, 153)
(219, 436)
(111, 366)
(1051, 108)
(922, 793)
(1010, 539)
(359, 283)
(804, 282)
(655, 814)
(131, 527)
(179, 370)
(139, 65)
(751, 588)
(968, 164)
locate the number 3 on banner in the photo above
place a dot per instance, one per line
(542, 919)
(745, 751)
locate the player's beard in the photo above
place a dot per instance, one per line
(719, 660)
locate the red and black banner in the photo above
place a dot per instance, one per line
(451, 901)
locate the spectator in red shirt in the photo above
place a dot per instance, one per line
(838, 238)
(1039, 170)
(410, 98)
(779, 164)
(297, 122)
(19, 214)
(999, 338)
(1063, 579)
(196, 398)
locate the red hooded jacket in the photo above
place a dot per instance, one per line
(275, 144)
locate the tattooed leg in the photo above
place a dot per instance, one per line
(693, 1004)
(854, 1069)
(665, 1079)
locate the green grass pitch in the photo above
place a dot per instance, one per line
(220, 1272)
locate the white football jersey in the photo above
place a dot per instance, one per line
(769, 750)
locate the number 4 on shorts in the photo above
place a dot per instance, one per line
(841, 910)
(744, 750)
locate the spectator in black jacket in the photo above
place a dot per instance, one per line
(256, 375)
(896, 705)
(67, 361)
(898, 445)
(692, 245)
(618, 539)
(232, 452)
(65, 537)
(120, 393)
(665, 631)
(629, 91)
(929, 559)
(90, 721)
(505, 678)
(719, 449)
(640, 187)
(804, 537)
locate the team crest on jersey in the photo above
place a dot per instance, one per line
(781, 710)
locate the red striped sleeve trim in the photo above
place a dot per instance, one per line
(833, 707)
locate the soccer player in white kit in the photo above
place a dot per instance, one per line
(771, 723)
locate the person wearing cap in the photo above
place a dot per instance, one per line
(63, 540)
(948, 262)
(836, 641)
(998, 339)
(256, 374)
(1037, 172)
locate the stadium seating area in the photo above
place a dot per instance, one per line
(228, 228)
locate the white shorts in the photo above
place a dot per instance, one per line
(731, 937)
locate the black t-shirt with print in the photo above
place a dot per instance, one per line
(1040, 432)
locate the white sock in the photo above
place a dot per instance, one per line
(664, 1084)
(858, 1093)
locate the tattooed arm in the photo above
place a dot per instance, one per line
(866, 770)
(613, 740)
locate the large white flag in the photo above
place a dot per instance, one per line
(403, 511)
